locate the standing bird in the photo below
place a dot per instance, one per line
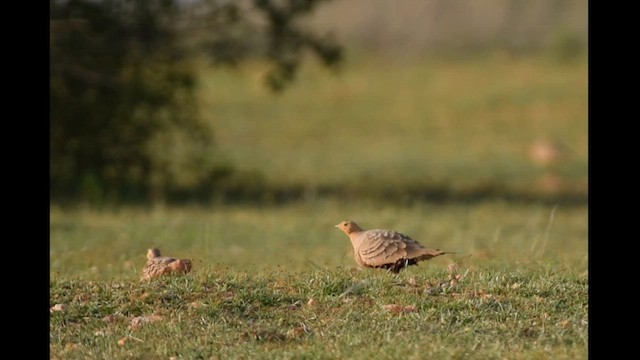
(385, 249)
(158, 265)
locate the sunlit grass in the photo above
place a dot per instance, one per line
(99, 244)
(383, 125)
(527, 312)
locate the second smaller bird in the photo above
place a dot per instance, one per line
(385, 249)
(158, 265)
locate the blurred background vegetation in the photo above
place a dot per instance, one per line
(166, 101)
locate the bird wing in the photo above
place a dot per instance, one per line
(162, 260)
(381, 247)
(158, 266)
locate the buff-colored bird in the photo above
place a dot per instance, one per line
(158, 265)
(385, 249)
(545, 152)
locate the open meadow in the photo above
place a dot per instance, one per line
(439, 150)
(459, 124)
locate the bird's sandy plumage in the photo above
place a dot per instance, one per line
(158, 265)
(385, 249)
(546, 152)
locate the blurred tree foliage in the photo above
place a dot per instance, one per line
(124, 123)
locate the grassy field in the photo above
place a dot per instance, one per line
(459, 123)
(279, 281)
(523, 291)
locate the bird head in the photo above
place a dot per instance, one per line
(348, 226)
(153, 253)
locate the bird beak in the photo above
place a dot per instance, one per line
(336, 225)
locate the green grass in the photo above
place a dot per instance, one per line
(523, 293)
(113, 243)
(383, 126)
(458, 123)
(492, 313)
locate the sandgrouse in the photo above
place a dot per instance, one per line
(385, 249)
(158, 265)
(545, 152)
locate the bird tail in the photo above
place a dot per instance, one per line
(183, 265)
(431, 253)
(461, 255)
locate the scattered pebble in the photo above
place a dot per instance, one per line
(196, 304)
(59, 307)
(311, 302)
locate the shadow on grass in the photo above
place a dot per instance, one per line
(262, 193)
(405, 195)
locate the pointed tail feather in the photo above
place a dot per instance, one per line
(431, 253)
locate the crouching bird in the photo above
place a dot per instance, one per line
(158, 265)
(385, 249)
